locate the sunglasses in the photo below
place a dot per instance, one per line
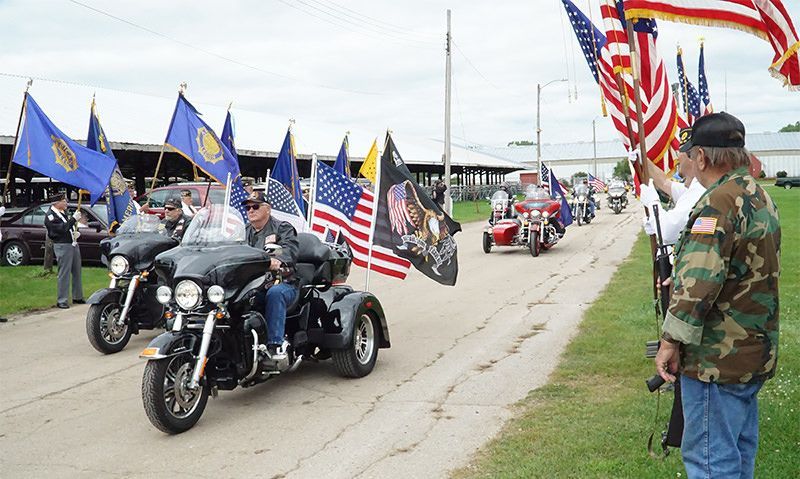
(170, 208)
(254, 207)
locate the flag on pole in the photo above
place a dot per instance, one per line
(342, 164)
(702, 84)
(284, 207)
(558, 190)
(369, 167)
(544, 174)
(120, 205)
(286, 173)
(766, 19)
(411, 224)
(232, 221)
(597, 183)
(343, 207)
(689, 95)
(45, 149)
(227, 136)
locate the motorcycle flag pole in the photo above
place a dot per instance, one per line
(181, 90)
(16, 139)
(312, 195)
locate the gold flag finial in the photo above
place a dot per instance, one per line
(28, 85)
(182, 87)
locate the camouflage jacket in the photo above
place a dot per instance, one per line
(724, 307)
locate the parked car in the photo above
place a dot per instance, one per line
(24, 234)
(157, 196)
(788, 182)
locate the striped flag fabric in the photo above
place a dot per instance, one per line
(597, 183)
(766, 19)
(702, 84)
(346, 207)
(544, 174)
(689, 95)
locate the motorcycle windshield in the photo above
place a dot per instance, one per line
(616, 191)
(499, 195)
(582, 190)
(140, 223)
(215, 225)
(534, 192)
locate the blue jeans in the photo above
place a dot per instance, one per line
(279, 297)
(591, 207)
(720, 435)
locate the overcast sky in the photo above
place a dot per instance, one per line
(360, 64)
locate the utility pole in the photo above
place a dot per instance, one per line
(594, 146)
(448, 204)
(539, 88)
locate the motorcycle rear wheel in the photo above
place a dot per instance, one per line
(487, 243)
(533, 244)
(170, 405)
(103, 334)
(359, 359)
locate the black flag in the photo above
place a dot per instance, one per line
(412, 224)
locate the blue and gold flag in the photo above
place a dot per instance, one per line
(227, 136)
(45, 149)
(285, 171)
(342, 164)
(120, 204)
(193, 139)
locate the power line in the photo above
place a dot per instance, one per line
(488, 82)
(377, 22)
(217, 55)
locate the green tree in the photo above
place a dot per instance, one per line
(790, 127)
(622, 170)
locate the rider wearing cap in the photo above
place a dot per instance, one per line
(264, 229)
(175, 222)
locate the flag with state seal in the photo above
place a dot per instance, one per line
(45, 149)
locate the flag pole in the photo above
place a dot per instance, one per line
(638, 99)
(16, 138)
(312, 195)
(376, 195)
(158, 167)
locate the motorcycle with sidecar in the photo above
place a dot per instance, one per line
(129, 303)
(216, 330)
(536, 224)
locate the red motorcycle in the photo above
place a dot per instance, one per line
(536, 225)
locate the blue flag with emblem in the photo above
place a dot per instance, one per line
(342, 164)
(45, 149)
(285, 171)
(555, 190)
(120, 204)
(193, 139)
(227, 136)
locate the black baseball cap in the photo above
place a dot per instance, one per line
(57, 197)
(173, 203)
(719, 130)
(257, 197)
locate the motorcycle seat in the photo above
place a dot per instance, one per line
(312, 261)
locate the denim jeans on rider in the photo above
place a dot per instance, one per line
(720, 435)
(591, 207)
(279, 297)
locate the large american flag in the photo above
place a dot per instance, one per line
(689, 96)
(767, 19)
(596, 183)
(284, 207)
(346, 207)
(235, 194)
(702, 84)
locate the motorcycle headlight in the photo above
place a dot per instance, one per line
(545, 214)
(118, 265)
(188, 294)
(581, 198)
(163, 294)
(525, 215)
(216, 294)
(535, 214)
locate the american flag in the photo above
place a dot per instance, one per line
(284, 207)
(767, 19)
(704, 225)
(597, 183)
(341, 204)
(544, 174)
(398, 209)
(235, 194)
(689, 95)
(702, 84)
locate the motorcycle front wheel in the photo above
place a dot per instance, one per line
(170, 404)
(104, 334)
(533, 244)
(487, 243)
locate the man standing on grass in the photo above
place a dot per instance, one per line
(721, 329)
(61, 229)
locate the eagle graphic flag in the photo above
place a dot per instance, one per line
(411, 224)
(120, 205)
(45, 149)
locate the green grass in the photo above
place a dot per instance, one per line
(26, 288)
(468, 211)
(593, 418)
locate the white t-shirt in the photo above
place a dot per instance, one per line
(674, 221)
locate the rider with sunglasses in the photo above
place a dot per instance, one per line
(264, 229)
(174, 222)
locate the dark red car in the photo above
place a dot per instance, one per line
(24, 234)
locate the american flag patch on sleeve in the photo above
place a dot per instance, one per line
(704, 225)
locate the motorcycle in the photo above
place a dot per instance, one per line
(617, 197)
(129, 303)
(501, 206)
(536, 225)
(216, 329)
(581, 211)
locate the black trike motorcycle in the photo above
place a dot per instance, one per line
(216, 330)
(129, 303)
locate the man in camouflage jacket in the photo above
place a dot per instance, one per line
(721, 329)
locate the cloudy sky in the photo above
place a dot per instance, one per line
(346, 64)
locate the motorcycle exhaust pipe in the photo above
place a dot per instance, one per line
(296, 364)
(253, 369)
